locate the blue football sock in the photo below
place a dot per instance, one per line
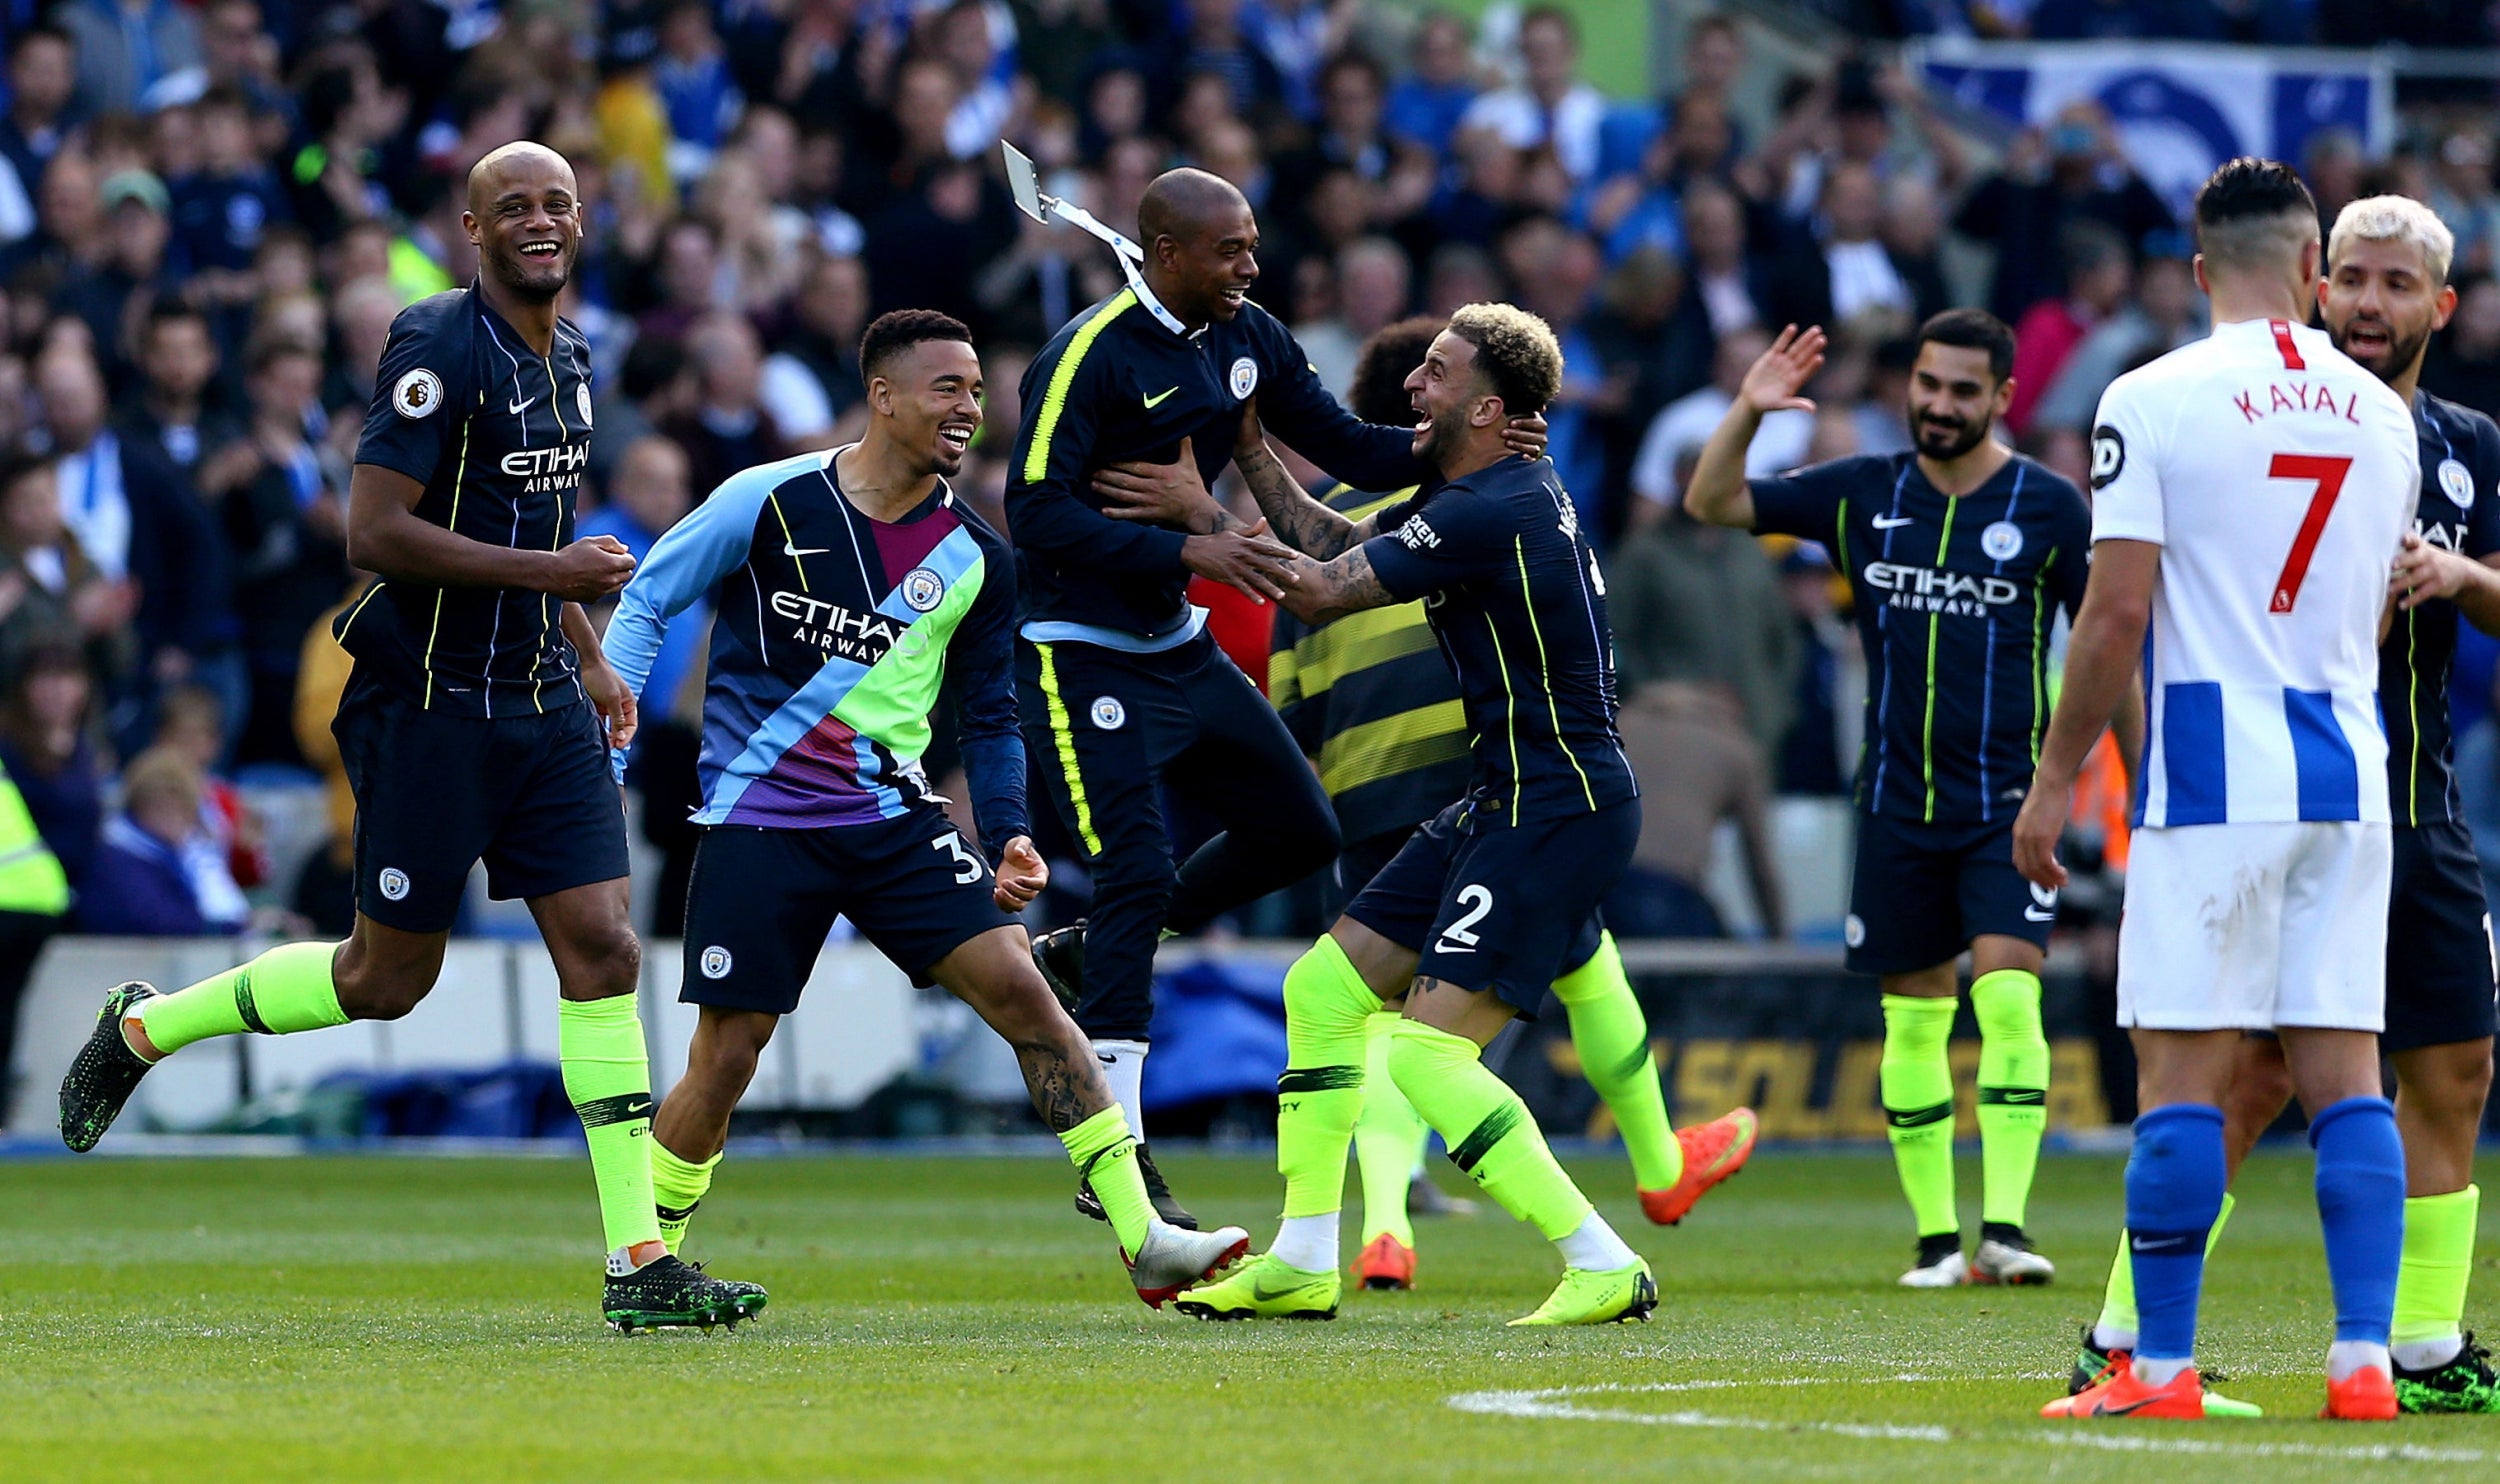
(2361, 1203)
(2174, 1192)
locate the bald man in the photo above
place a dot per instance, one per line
(476, 724)
(1122, 689)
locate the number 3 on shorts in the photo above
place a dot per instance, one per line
(967, 865)
(1460, 935)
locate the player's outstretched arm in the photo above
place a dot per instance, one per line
(1343, 584)
(1717, 493)
(2101, 662)
(386, 536)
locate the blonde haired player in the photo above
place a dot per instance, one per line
(2252, 490)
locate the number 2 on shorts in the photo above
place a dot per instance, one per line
(1460, 935)
(2327, 473)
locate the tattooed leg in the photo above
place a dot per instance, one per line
(994, 974)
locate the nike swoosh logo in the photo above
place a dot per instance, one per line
(1157, 399)
(1448, 947)
(2158, 1244)
(521, 406)
(2034, 914)
(1887, 522)
(1259, 1289)
(799, 551)
(639, 1109)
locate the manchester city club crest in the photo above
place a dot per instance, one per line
(394, 883)
(2457, 483)
(715, 962)
(922, 589)
(2002, 541)
(1109, 714)
(1245, 377)
(581, 398)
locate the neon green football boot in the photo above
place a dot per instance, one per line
(1595, 1296)
(1265, 1288)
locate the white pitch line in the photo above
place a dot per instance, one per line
(1550, 1403)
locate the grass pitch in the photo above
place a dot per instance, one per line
(390, 1318)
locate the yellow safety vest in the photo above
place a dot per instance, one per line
(31, 879)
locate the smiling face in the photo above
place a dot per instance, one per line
(2380, 304)
(929, 393)
(1447, 398)
(1954, 399)
(1210, 265)
(525, 220)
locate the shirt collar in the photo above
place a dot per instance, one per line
(1154, 306)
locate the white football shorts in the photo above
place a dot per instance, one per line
(2253, 926)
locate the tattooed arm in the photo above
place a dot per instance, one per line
(1343, 584)
(1298, 520)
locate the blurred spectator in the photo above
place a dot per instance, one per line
(286, 521)
(360, 324)
(1838, 270)
(191, 723)
(126, 47)
(657, 384)
(221, 210)
(2463, 364)
(1372, 291)
(2098, 282)
(2165, 312)
(157, 873)
(2334, 164)
(728, 428)
(1206, 40)
(695, 88)
(1698, 767)
(829, 314)
(1697, 603)
(1814, 758)
(1679, 430)
(105, 519)
(324, 893)
(1552, 107)
(69, 226)
(1425, 105)
(2073, 171)
(925, 250)
(111, 295)
(2464, 198)
(1730, 287)
(43, 74)
(1645, 209)
(1352, 137)
(46, 715)
(1879, 421)
(34, 904)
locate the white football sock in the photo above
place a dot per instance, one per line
(2154, 1372)
(1307, 1242)
(1124, 1067)
(2426, 1355)
(2347, 1356)
(1594, 1245)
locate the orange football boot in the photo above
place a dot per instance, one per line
(2117, 1393)
(2367, 1395)
(1386, 1263)
(1712, 1152)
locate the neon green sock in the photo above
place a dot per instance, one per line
(1105, 1155)
(1917, 1084)
(677, 1187)
(2118, 1299)
(2013, 1090)
(2438, 1259)
(608, 1077)
(1491, 1133)
(1388, 1139)
(283, 991)
(1612, 1037)
(1327, 1006)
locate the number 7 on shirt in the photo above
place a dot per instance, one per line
(2327, 473)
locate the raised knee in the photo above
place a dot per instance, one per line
(373, 996)
(610, 962)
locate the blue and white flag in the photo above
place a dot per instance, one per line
(2180, 109)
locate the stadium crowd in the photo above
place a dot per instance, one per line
(210, 213)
